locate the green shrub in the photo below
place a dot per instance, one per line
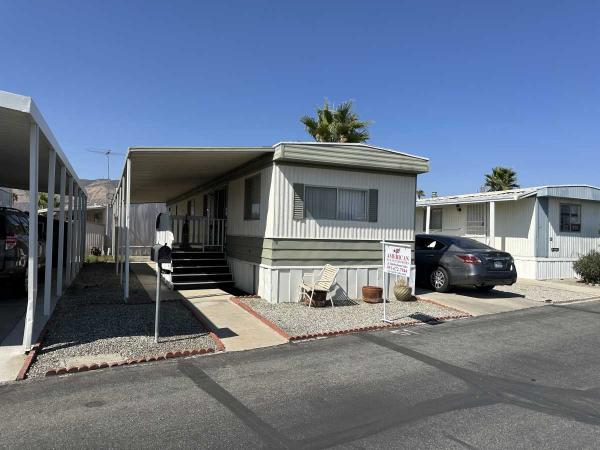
(91, 259)
(588, 267)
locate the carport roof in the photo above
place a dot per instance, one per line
(17, 112)
(159, 174)
(162, 174)
(574, 191)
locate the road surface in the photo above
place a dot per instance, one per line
(522, 379)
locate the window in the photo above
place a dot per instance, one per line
(570, 218)
(429, 244)
(435, 221)
(336, 203)
(252, 198)
(476, 219)
(352, 204)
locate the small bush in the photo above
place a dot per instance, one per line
(588, 267)
(92, 259)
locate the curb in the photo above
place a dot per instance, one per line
(128, 362)
(205, 322)
(263, 319)
(32, 355)
(302, 337)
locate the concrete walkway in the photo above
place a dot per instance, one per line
(478, 305)
(238, 329)
(12, 354)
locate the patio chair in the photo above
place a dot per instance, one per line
(326, 280)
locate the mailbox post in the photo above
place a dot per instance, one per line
(160, 254)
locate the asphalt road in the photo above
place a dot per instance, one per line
(523, 379)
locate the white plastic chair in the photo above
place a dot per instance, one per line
(326, 280)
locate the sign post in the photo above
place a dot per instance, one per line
(396, 261)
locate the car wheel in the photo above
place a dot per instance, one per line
(439, 279)
(485, 288)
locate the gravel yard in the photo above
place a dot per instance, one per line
(92, 324)
(297, 319)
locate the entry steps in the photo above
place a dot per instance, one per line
(197, 269)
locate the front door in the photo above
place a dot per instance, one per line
(221, 204)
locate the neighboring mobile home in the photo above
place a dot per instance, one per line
(283, 211)
(545, 228)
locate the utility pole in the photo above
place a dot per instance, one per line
(108, 153)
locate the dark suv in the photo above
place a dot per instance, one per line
(446, 261)
(14, 244)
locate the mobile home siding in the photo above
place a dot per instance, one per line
(571, 244)
(236, 225)
(396, 200)
(515, 227)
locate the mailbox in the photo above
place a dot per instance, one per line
(161, 254)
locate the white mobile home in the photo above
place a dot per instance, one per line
(283, 211)
(544, 228)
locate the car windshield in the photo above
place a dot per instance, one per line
(468, 244)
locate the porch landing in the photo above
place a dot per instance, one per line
(238, 329)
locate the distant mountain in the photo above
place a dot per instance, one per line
(96, 191)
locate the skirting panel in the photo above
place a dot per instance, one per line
(545, 268)
(278, 284)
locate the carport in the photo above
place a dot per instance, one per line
(33, 160)
(164, 174)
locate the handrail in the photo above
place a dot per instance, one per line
(205, 233)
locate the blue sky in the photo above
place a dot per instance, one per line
(469, 84)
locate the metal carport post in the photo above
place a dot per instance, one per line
(32, 257)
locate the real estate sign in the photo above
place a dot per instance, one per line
(397, 259)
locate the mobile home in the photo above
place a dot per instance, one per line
(281, 212)
(545, 228)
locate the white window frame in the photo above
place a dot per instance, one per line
(248, 216)
(431, 228)
(483, 227)
(570, 205)
(337, 196)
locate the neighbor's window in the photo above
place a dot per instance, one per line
(435, 220)
(476, 219)
(570, 217)
(336, 203)
(252, 198)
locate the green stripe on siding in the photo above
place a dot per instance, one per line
(303, 252)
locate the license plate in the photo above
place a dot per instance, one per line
(498, 264)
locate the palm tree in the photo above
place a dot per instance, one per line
(43, 201)
(336, 125)
(501, 179)
(420, 193)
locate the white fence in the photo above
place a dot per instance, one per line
(94, 237)
(198, 231)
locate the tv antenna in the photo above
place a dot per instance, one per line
(108, 153)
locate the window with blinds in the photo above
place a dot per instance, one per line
(339, 203)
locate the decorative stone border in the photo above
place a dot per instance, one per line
(32, 355)
(128, 362)
(302, 337)
(260, 317)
